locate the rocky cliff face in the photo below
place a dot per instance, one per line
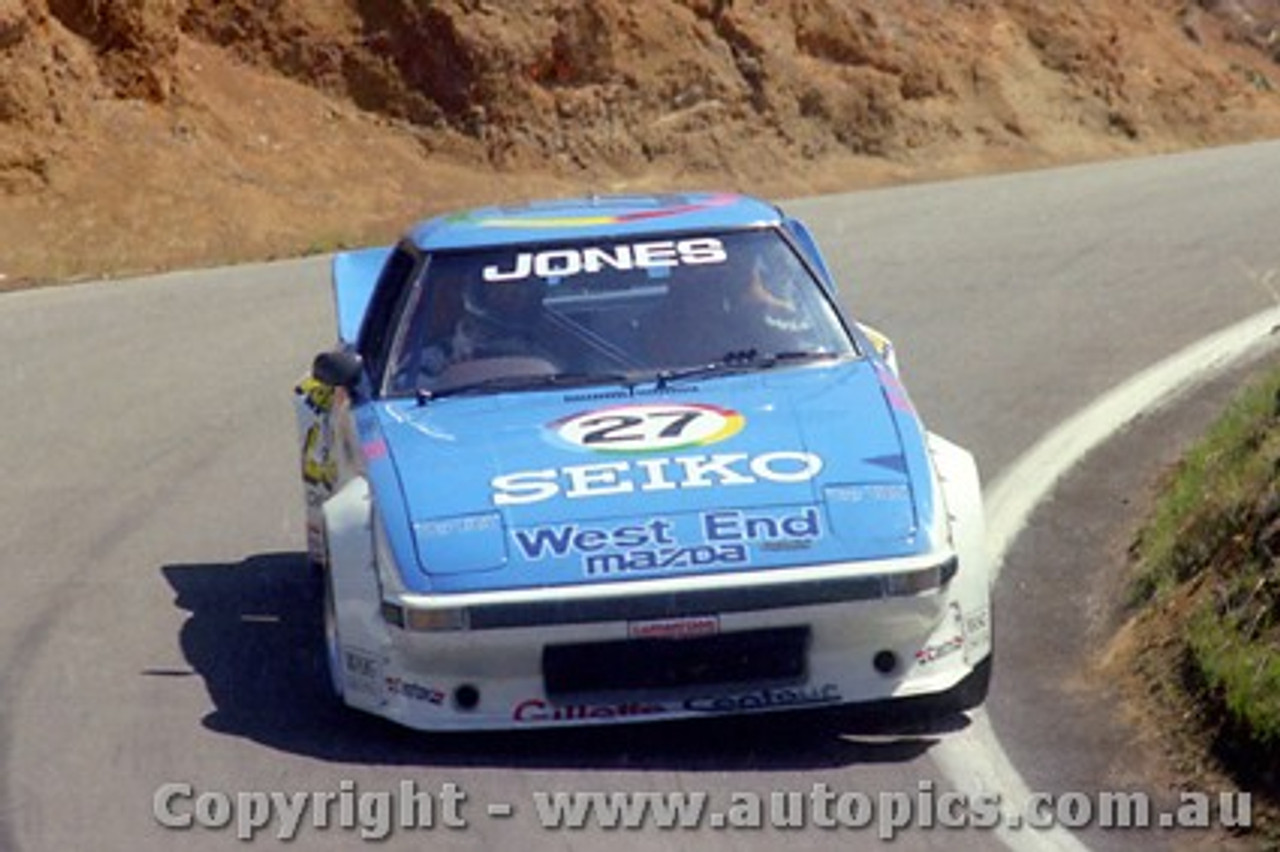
(748, 94)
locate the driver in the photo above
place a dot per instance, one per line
(499, 319)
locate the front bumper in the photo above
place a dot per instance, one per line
(871, 631)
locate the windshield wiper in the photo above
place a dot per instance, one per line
(538, 381)
(747, 360)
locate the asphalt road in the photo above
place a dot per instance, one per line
(156, 625)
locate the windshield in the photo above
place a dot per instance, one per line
(609, 310)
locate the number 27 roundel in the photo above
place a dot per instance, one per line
(647, 428)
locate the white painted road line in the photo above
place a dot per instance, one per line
(973, 760)
(1012, 498)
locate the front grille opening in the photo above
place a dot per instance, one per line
(774, 655)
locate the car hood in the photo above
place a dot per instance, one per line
(800, 465)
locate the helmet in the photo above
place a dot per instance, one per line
(773, 276)
(773, 291)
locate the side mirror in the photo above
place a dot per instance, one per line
(339, 368)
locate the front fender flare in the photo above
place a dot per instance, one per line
(353, 577)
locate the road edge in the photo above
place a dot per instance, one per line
(974, 760)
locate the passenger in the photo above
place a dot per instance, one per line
(711, 313)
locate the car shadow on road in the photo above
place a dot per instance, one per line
(255, 635)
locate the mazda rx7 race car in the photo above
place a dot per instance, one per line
(625, 458)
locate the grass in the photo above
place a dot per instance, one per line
(1214, 537)
(328, 244)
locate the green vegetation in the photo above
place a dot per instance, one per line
(1213, 541)
(328, 244)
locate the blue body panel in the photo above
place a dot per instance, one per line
(355, 273)
(809, 247)
(826, 465)
(611, 217)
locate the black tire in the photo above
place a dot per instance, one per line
(965, 695)
(919, 714)
(332, 640)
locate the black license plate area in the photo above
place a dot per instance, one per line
(775, 655)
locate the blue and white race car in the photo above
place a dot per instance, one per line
(621, 459)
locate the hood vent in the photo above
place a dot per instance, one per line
(619, 393)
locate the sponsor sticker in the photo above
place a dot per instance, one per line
(414, 691)
(675, 628)
(869, 493)
(362, 673)
(977, 623)
(561, 263)
(722, 538)
(318, 466)
(519, 217)
(461, 525)
(316, 395)
(535, 710)
(893, 390)
(660, 473)
(764, 699)
(933, 653)
(647, 428)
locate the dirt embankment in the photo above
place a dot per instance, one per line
(145, 133)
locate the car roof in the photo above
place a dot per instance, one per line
(610, 216)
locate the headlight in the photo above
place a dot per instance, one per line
(910, 583)
(426, 620)
(444, 618)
